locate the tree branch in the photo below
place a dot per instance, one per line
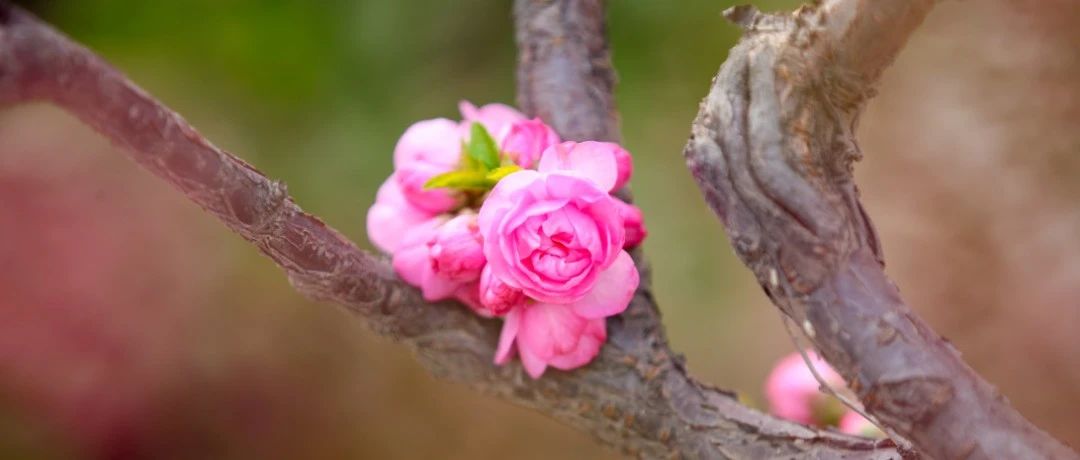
(772, 150)
(564, 72)
(636, 395)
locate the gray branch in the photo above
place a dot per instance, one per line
(772, 150)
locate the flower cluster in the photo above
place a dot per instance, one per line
(793, 393)
(497, 212)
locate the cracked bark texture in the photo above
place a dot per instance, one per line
(636, 396)
(772, 149)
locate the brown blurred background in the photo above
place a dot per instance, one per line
(132, 325)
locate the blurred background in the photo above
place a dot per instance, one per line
(132, 325)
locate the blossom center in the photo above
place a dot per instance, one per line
(553, 244)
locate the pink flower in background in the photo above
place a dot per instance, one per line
(526, 140)
(550, 335)
(794, 394)
(854, 423)
(793, 391)
(466, 216)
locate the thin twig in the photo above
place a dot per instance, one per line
(825, 387)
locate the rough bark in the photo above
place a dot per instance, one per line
(564, 72)
(772, 150)
(636, 395)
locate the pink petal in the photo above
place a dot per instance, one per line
(497, 118)
(412, 263)
(601, 207)
(391, 216)
(412, 259)
(422, 233)
(495, 297)
(595, 161)
(587, 349)
(469, 294)
(436, 141)
(633, 223)
(435, 287)
(411, 179)
(613, 290)
(526, 140)
(503, 197)
(534, 365)
(506, 338)
(550, 329)
(625, 166)
(469, 112)
(456, 249)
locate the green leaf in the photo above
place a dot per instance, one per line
(468, 162)
(482, 147)
(501, 172)
(459, 180)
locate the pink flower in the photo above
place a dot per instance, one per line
(526, 140)
(456, 251)
(428, 148)
(550, 335)
(634, 223)
(497, 118)
(497, 297)
(441, 257)
(559, 238)
(392, 216)
(792, 390)
(546, 250)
